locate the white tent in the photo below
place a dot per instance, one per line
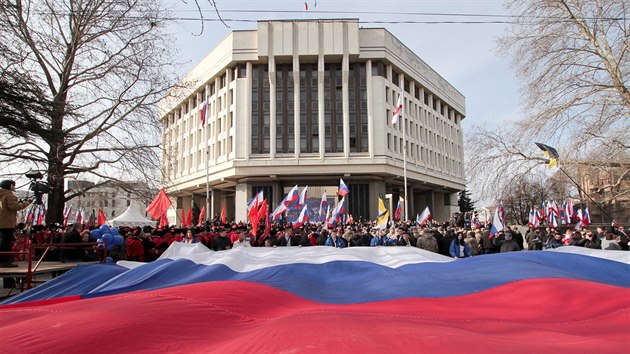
(131, 217)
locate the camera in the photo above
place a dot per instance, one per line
(39, 188)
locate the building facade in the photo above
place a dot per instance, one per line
(112, 198)
(308, 102)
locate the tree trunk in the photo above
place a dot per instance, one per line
(56, 171)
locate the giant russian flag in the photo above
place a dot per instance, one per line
(324, 299)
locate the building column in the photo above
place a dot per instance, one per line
(370, 113)
(240, 201)
(272, 106)
(345, 99)
(376, 188)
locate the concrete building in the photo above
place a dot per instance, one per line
(308, 102)
(112, 198)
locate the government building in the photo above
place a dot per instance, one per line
(309, 102)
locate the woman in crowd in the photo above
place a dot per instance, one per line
(459, 248)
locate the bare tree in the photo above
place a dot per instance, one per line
(572, 56)
(102, 65)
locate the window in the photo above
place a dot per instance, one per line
(309, 120)
(260, 110)
(333, 114)
(357, 100)
(285, 126)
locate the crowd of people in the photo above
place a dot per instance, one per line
(453, 239)
(147, 244)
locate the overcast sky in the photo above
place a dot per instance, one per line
(464, 54)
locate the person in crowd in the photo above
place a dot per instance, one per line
(334, 240)
(190, 237)
(9, 206)
(505, 242)
(576, 239)
(479, 238)
(322, 237)
(444, 242)
(221, 242)
(518, 237)
(609, 242)
(241, 242)
(406, 240)
(459, 248)
(287, 239)
(427, 241)
(347, 236)
(621, 236)
(72, 234)
(555, 241)
(378, 239)
(534, 240)
(591, 241)
(135, 248)
(472, 243)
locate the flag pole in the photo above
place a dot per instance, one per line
(205, 130)
(402, 115)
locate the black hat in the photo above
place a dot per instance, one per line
(7, 184)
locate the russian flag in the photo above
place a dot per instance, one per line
(245, 299)
(339, 209)
(586, 217)
(531, 219)
(343, 188)
(302, 218)
(79, 216)
(291, 196)
(398, 210)
(497, 221)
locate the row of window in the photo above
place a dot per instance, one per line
(309, 108)
(425, 155)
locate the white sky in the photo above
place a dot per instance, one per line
(464, 54)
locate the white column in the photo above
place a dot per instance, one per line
(272, 106)
(345, 103)
(296, 100)
(370, 113)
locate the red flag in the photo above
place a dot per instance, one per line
(263, 210)
(223, 216)
(189, 218)
(183, 222)
(253, 220)
(163, 220)
(101, 217)
(159, 205)
(202, 215)
(267, 229)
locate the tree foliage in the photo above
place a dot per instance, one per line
(572, 57)
(464, 202)
(94, 71)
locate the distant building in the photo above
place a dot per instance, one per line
(601, 185)
(112, 198)
(308, 102)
